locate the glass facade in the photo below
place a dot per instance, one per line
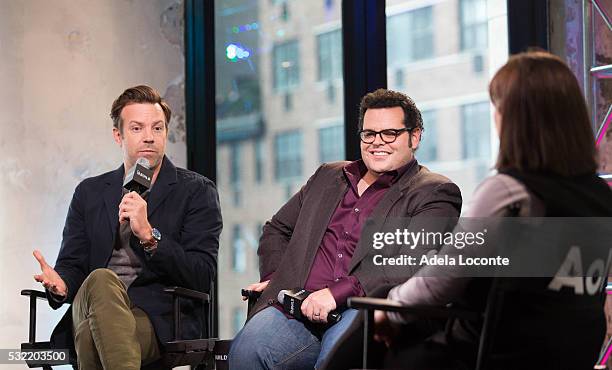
(238, 250)
(286, 65)
(410, 35)
(279, 106)
(288, 153)
(476, 133)
(441, 54)
(474, 32)
(428, 149)
(329, 52)
(279, 98)
(331, 143)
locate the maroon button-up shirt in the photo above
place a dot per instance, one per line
(331, 263)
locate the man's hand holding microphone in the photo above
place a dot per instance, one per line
(317, 306)
(133, 209)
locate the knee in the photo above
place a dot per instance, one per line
(247, 350)
(100, 283)
(102, 278)
(242, 349)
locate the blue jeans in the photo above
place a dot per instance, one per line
(272, 341)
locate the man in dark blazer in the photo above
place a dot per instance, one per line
(315, 240)
(120, 249)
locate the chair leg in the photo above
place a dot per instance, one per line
(368, 334)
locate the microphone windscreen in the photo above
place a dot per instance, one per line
(144, 162)
(281, 296)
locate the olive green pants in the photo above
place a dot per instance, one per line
(109, 331)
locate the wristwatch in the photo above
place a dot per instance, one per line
(150, 247)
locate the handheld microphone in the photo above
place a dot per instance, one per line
(139, 177)
(291, 300)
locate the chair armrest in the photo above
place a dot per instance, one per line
(368, 303)
(177, 293)
(250, 294)
(34, 293)
(188, 293)
(32, 296)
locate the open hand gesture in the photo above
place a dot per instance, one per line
(49, 278)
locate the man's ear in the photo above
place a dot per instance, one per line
(415, 138)
(117, 136)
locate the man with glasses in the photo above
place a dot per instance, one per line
(314, 241)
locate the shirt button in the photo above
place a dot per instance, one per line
(346, 233)
(340, 255)
(356, 210)
(337, 279)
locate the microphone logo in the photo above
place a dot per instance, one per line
(144, 176)
(139, 177)
(292, 307)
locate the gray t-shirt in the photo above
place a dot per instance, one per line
(124, 261)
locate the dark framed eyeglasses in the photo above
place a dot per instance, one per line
(388, 136)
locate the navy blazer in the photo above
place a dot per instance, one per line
(183, 206)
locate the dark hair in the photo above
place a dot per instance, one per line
(383, 98)
(545, 125)
(134, 95)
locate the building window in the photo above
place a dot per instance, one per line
(288, 155)
(238, 318)
(235, 154)
(428, 148)
(259, 160)
(285, 11)
(285, 59)
(238, 250)
(475, 130)
(329, 52)
(235, 174)
(400, 78)
(473, 17)
(258, 233)
(331, 143)
(410, 36)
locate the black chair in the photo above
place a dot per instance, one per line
(222, 346)
(522, 322)
(193, 352)
(368, 305)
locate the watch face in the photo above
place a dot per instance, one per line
(156, 234)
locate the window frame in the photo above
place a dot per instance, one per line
(364, 70)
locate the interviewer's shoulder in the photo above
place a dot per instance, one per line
(495, 194)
